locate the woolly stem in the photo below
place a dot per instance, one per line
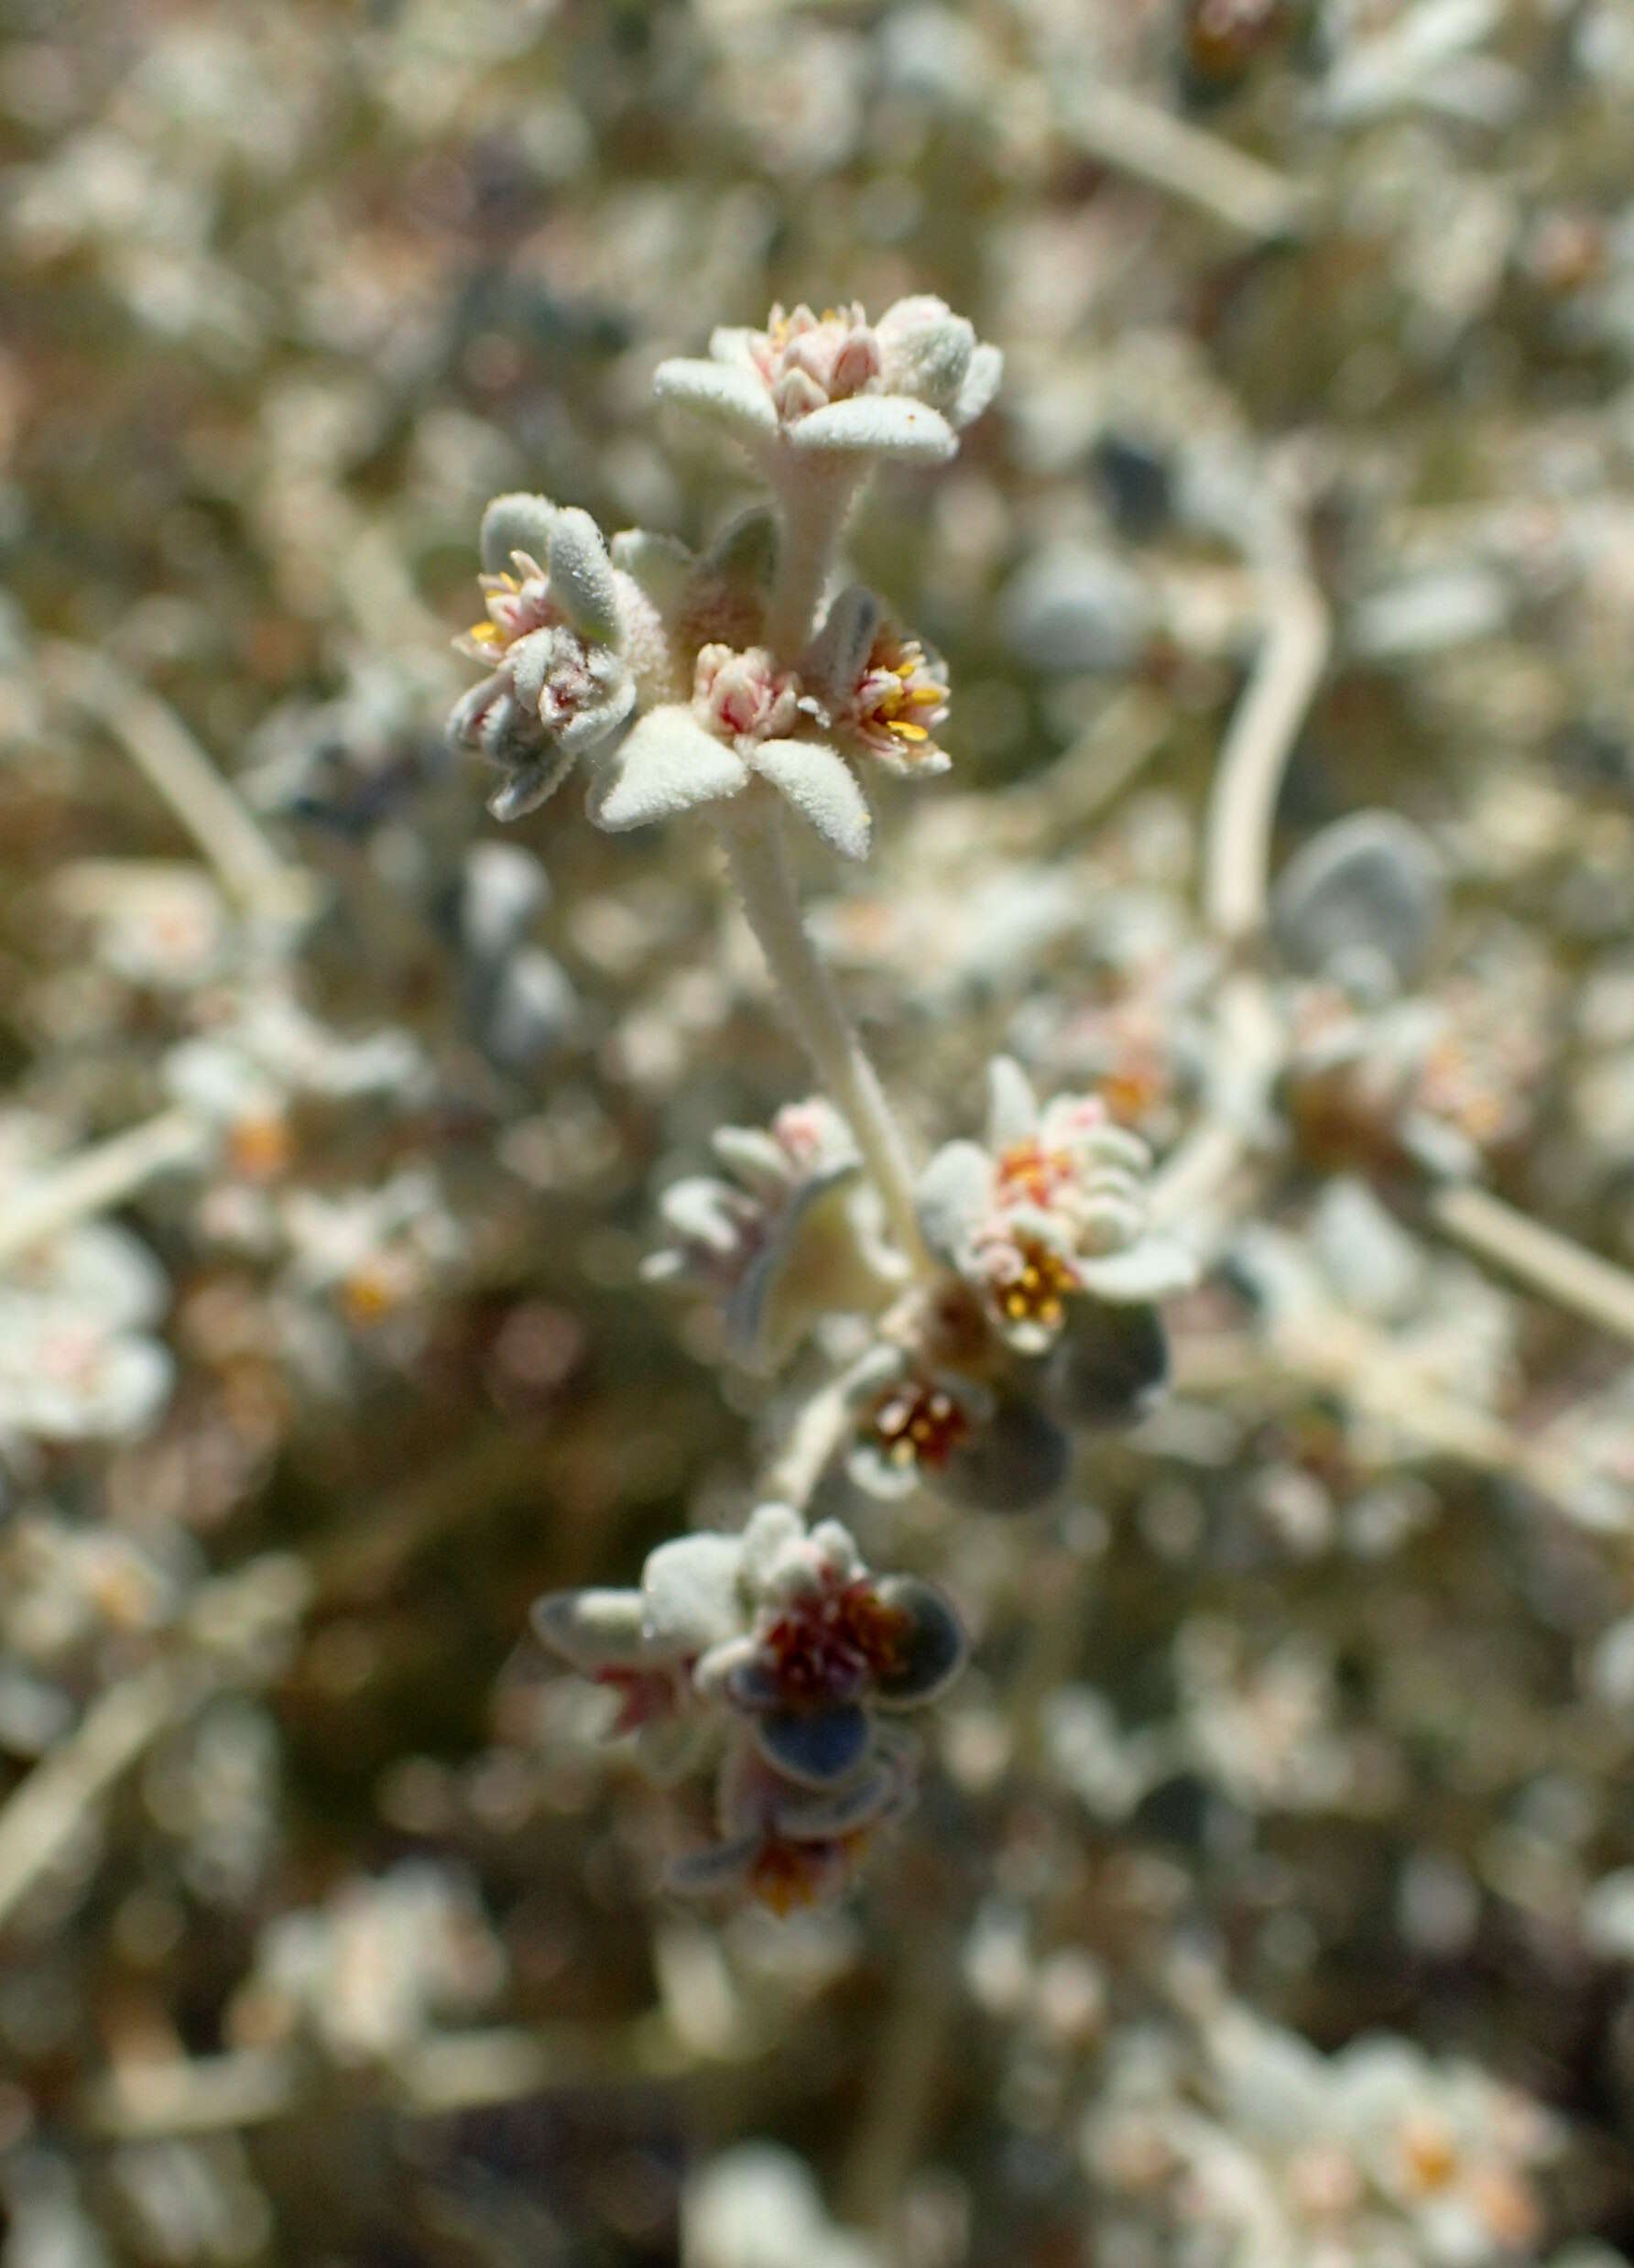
(814, 504)
(758, 861)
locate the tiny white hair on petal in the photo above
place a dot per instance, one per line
(822, 789)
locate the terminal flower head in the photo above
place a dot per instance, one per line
(834, 384)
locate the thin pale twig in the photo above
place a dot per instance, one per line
(1539, 1258)
(176, 766)
(1135, 138)
(93, 1179)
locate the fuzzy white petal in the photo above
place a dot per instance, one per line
(690, 1591)
(1155, 1268)
(953, 1193)
(668, 764)
(1012, 1110)
(982, 381)
(822, 789)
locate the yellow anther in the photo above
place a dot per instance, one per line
(907, 731)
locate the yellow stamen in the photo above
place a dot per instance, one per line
(907, 731)
(486, 634)
(925, 696)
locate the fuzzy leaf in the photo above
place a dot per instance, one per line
(517, 522)
(581, 577)
(668, 764)
(982, 381)
(822, 789)
(877, 425)
(533, 782)
(732, 395)
(657, 566)
(594, 1629)
(836, 658)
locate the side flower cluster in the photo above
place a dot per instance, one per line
(779, 1656)
(1042, 1316)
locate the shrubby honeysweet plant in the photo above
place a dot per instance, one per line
(1008, 1291)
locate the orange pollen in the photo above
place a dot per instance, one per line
(783, 1876)
(919, 1424)
(1025, 1170)
(259, 1147)
(1432, 2160)
(1039, 1293)
(367, 1297)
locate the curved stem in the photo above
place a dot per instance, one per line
(1237, 854)
(757, 860)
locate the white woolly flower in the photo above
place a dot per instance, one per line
(1051, 1209)
(76, 1360)
(375, 1252)
(833, 386)
(793, 1234)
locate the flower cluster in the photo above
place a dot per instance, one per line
(1051, 1210)
(834, 385)
(77, 1358)
(682, 679)
(793, 1234)
(1257, 2143)
(778, 1646)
